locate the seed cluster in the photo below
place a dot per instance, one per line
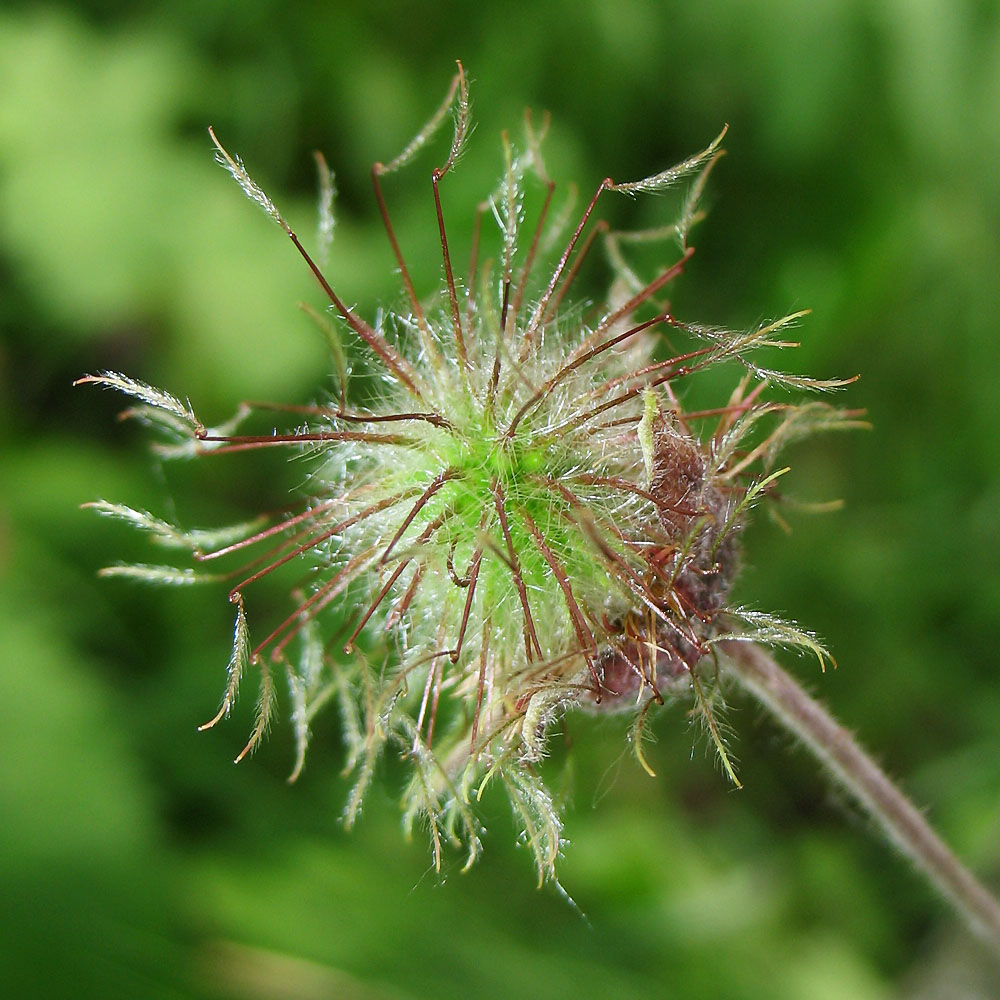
(524, 516)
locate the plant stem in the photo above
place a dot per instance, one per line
(850, 765)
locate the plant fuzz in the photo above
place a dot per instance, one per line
(522, 517)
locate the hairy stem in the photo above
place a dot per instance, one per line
(903, 824)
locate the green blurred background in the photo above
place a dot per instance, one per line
(862, 181)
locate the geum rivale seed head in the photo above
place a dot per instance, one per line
(523, 519)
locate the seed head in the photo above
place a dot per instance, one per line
(522, 519)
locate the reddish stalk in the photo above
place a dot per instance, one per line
(650, 369)
(250, 441)
(529, 261)
(314, 604)
(477, 559)
(374, 508)
(340, 413)
(373, 607)
(393, 360)
(504, 306)
(515, 571)
(461, 125)
(449, 276)
(400, 609)
(601, 226)
(583, 634)
(425, 535)
(459, 581)
(582, 359)
(377, 170)
(582, 418)
(611, 558)
(641, 589)
(539, 312)
(480, 686)
(615, 482)
(641, 296)
(275, 529)
(439, 480)
(632, 304)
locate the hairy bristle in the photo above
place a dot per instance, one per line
(537, 529)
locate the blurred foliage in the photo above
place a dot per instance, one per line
(134, 860)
